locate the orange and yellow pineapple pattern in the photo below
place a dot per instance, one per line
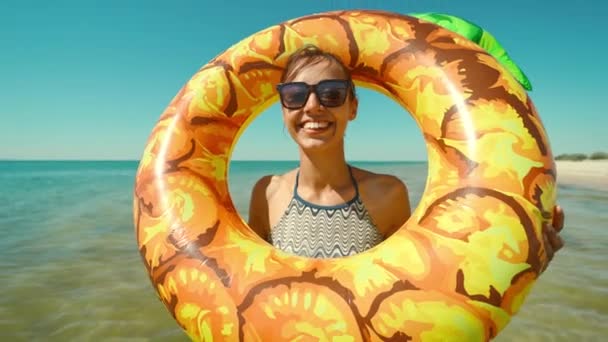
(457, 270)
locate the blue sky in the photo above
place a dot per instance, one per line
(89, 79)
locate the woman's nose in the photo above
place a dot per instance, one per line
(312, 103)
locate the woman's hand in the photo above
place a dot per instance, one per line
(553, 241)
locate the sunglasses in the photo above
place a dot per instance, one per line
(331, 93)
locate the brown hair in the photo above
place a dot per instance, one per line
(310, 55)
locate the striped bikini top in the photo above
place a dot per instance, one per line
(316, 231)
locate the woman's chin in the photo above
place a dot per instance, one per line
(316, 144)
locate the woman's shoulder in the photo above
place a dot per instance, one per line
(386, 199)
(267, 191)
(384, 190)
(270, 184)
(378, 182)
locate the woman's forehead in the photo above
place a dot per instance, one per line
(316, 71)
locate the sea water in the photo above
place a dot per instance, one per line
(71, 270)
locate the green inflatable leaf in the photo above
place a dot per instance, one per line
(481, 37)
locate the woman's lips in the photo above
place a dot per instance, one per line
(316, 126)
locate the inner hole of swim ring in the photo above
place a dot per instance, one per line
(383, 138)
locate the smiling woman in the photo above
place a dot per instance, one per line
(325, 207)
(458, 269)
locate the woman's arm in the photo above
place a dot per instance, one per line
(258, 208)
(398, 205)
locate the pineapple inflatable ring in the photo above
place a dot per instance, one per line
(461, 266)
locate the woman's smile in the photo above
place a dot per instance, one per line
(315, 127)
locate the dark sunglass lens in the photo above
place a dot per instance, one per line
(294, 95)
(332, 93)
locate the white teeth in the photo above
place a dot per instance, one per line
(316, 124)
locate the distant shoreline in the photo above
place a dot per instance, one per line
(592, 174)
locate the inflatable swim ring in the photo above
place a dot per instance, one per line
(457, 270)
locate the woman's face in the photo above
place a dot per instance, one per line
(315, 126)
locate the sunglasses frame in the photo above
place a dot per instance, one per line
(313, 88)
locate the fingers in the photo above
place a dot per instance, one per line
(553, 242)
(558, 218)
(549, 251)
(554, 239)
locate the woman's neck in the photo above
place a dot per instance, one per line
(324, 170)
